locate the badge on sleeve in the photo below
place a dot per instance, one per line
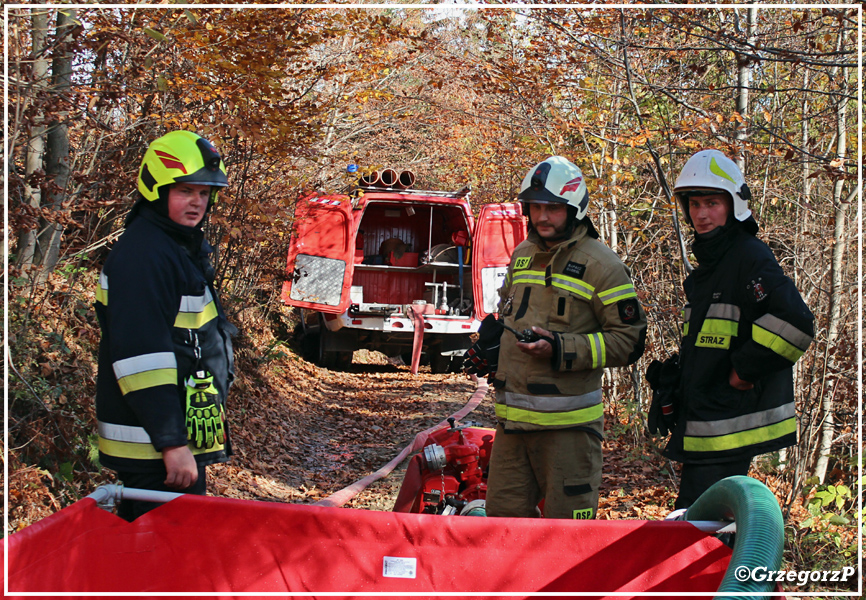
(757, 288)
(628, 310)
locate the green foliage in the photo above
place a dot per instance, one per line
(275, 351)
(826, 506)
(826, 539)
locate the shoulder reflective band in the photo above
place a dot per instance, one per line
(616, 294)
(146, 371)
(597, 350)
(723, 312)
(563, 282)
(102, 289)
(195, 311)
(529, 277)
(573, 285)
(781, 337)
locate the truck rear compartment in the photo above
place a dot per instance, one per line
(391, 270)
(405, 254)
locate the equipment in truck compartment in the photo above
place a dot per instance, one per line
(355, 264)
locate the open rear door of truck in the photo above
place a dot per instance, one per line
(498, 230)
(320, 264)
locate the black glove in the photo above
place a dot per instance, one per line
(205, 416)
(664, 378)
(482, 358)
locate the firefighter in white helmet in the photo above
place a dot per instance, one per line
(728, 396)
(577, 298)
(165, 357)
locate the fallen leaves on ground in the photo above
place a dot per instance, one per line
(318, 431)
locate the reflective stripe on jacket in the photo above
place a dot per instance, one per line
(748, 315)
(157, 311)
(583, 293)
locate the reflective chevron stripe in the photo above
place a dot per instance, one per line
(598, 350)
(781, 337)
(574, 417)
(551, 410)
(529, 277)
(124, 441)
(145, 371)
(740, 440)
(737, 432)
(616, 294)
(195, 311)
(102, 289)
(573, 285)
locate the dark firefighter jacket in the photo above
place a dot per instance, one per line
(741, 312)
(156, 310)
(582, 293)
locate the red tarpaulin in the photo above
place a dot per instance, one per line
(224, 546)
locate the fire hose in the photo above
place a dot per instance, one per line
(341, 497)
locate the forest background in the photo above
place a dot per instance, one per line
(292, 95)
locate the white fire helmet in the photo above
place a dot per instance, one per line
(711, 171)
(555, 180)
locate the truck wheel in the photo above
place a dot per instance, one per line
(343, 360)
(310, 343)
(334, 360)
(439, 363)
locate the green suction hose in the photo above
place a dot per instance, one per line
(760, 534)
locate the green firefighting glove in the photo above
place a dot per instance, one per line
(205, 417)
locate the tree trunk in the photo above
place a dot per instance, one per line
(57, 159)
(744, 78)
(36, 136)
(613, 238)
(836, 266)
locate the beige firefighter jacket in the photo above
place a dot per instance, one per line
(583, 293)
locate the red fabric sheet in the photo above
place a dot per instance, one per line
(224, 546)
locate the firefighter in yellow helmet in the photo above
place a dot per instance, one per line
(577, 298)
(165, 356)
(728, 395)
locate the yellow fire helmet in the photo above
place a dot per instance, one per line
(181, 157)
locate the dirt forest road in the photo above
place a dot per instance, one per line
(323, 430)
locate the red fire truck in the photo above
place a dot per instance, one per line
(391, 268)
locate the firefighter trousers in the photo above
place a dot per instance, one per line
(132, 509)
(697, 479)
(560, 466)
